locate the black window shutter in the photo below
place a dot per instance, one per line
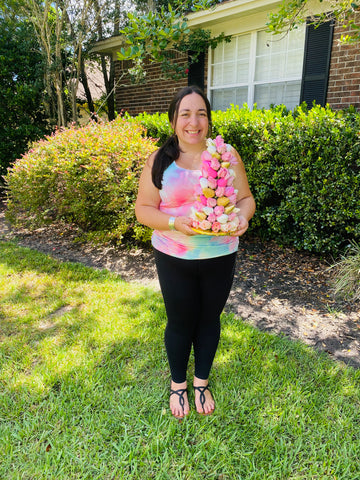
(196, 71)
(318, 43)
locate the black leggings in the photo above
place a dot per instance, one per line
(195, 293)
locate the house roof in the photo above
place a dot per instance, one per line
(236, 9)
(96, 82)
(232, 10)
(109, 46)
(229, 17)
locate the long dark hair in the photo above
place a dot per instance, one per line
(170, 150)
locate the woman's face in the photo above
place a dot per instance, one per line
(192, 122)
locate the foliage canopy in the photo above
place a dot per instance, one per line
(294, 12)
(21, 90)
(156, 34)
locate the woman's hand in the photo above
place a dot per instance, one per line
(243, 226)
(183, 225)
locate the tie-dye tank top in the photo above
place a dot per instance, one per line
(177, 197)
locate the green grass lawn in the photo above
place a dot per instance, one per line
(84, 386)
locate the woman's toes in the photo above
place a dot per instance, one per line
(179, 404)
(204, 401)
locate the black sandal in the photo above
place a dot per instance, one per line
(180, 394)
(202, 390)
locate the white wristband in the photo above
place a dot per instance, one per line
(172, 223)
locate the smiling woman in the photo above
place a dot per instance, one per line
(191, 128)
(195, 271)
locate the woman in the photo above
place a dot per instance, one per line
(195, 271)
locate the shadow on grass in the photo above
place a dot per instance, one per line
(88, 397)
(22, 259)
(49, 308)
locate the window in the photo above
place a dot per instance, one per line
(257, 68)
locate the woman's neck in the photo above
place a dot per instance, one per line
(190, 160)
(190, 156)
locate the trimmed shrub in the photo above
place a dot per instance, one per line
(86, 176)
(157, 125)
(303, 169)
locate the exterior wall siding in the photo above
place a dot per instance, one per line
(344, 76)
(152, 96)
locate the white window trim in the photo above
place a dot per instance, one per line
(252, 65)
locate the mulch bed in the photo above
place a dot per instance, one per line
(276, 289)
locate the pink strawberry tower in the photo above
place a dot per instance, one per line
(215, 211)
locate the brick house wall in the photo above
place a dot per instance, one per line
(152, 96)
(344, 76)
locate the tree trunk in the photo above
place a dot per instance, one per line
(111, 95)
(109, 79)
(84, 81)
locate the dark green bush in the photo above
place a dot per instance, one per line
(303, 168)
(157, 125)
(86, 176)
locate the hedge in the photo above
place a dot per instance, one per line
(84, 176)
(303, 169)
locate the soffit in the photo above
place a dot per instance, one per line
(230, 17)
(237, 16)
(223, 17)
(109, 46)
(231, 10)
